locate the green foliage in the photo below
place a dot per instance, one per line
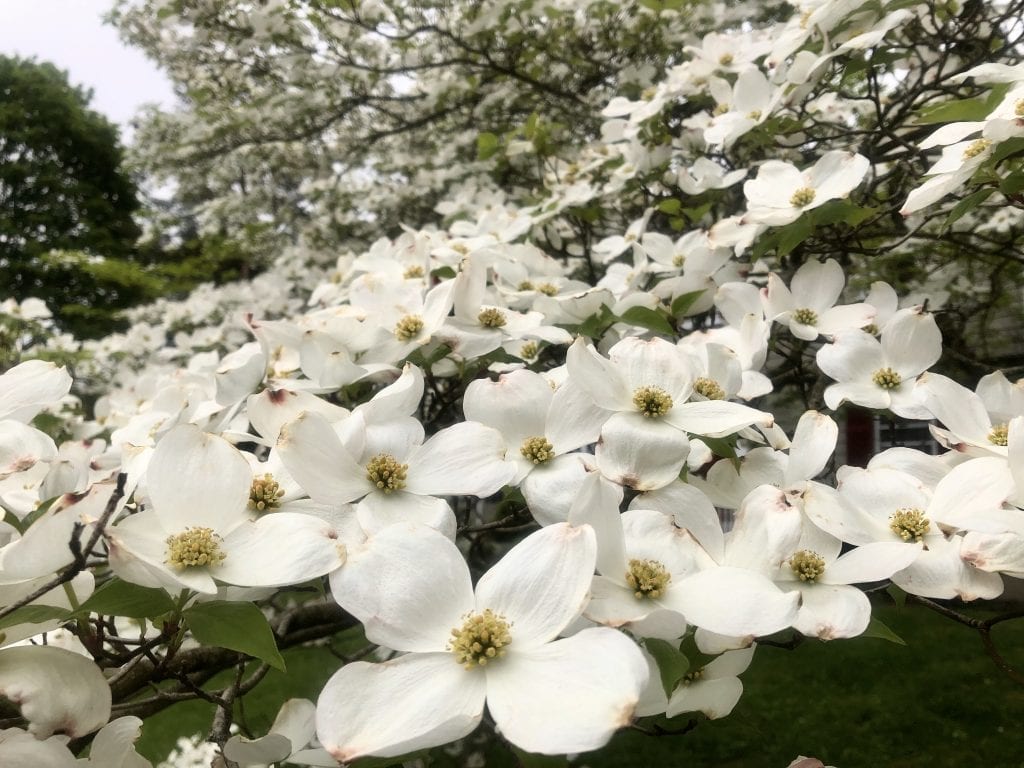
(62, 188)
(238, 627)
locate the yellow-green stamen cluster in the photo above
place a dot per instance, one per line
(414, 271)
(975, 148)
(886, 378)
(386, 473)
(529, 350)
(481, 639)
(491, 318)
(526, 285)
(709, 388)
(725, 59)
(807, 565)
(803, 196)
(408, 327)
(999, 435)
(691, 677)
(194, 547)
(537, 450)
(678, 260)
(909, 523)
(805, 316)
(652, 401)
(1018, 108)
(548, 289)
(265, 493)
(647, 578)
(754, 114)
(720, 109)
(870, 328)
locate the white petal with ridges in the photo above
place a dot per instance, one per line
(567, 696)
(315, 457)
(410, 703)
(689, 509)
(197, 479)
(716, 418)
(541, 584)
(465, 459)
(832, 611)
(409, 585)
(734, 601)
(57, 691)
(641, 453)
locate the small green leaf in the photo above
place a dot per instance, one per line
(898, 595)
(672, 663)
(1007, 148)
(443, 273)
(671, 206)
(877, 629)
(967, 205)
(33, 614)
(647, 318)
(122, 598)
(793, 234)
(681, 304)
(238, 627)
(962, 110)
(1012, 184)
(487, 145)
(722, 446)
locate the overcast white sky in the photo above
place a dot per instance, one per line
(72, 35)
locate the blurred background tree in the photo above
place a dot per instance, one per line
(67, 227)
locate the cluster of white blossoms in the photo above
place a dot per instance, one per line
(342, 436)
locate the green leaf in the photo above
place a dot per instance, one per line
(877, 629)
(647, 318)
(1006, 149)
(793, 234)
(487, 145)
(672, 663)
(122, 598)
(443, 273)
(1012, 184)
(682, 303)
(898, 595)
(722, 446)
(33, 614)
(841, 211)
(238, 627)
(671, 206)
(967, 205)
(962, 110)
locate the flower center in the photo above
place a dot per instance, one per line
(691, 677)
(652, 401)
(807, 565)
(678, 260)
(805, 316)
(548, 289)
(408, 327)
(886, 378)
(754, 114)
(528, 351)
(803, 196)
(725, 59)
(975, 148)
(194, 547)
(265, 493)
(999, 435)
(537, 449)
(1018, 108)
(386, 473)
(720, 109)
(481, 638)
(709, 388)
(909, 523)
(491, 318)
(414, 271)
(870, 328)
(526, 285)
(647, 578)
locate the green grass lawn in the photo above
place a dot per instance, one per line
(938, 701)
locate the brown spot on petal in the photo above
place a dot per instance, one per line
(626, 714)
(278, 396)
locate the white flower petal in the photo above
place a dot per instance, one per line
(280, 549)
(409, 585)
(541, 584)
(813, 444)
(716, 418)
(410, 703)
(313, 454)
(567, 696)
(465, 459)
(641, 453)
(715, 698)
(379, 510)
(874, 561)
(832, 611)
(29, 387)
(197, 479)
(689, 509)
(734, 601)
(551, 489)
(57, 691)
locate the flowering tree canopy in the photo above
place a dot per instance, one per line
(538, 405)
